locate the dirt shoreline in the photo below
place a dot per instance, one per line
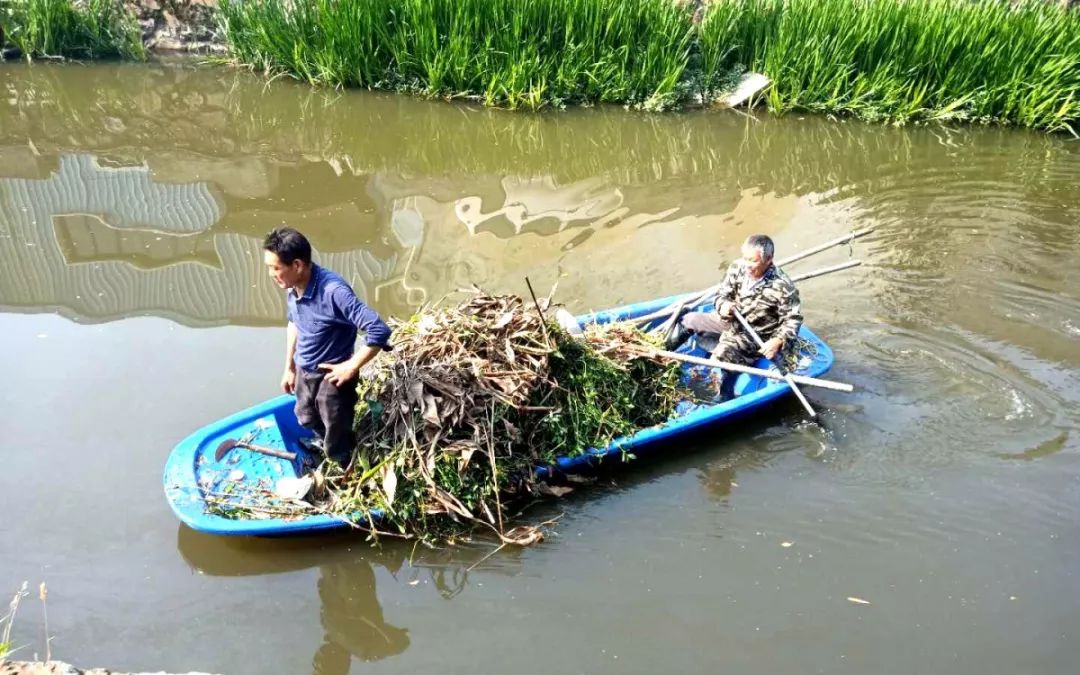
(170, 26)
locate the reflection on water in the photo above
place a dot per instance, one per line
(102, 178)
(533, 202)
(352, 629)
(150, 195)
(352, 616)
(85, 238)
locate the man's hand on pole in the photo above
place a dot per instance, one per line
(771, 347)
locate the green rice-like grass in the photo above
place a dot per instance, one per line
(88, 29)
(905, 60)
(516, 53)
(881, 60)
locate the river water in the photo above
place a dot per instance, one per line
(930, 527)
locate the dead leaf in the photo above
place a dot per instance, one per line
(389, 484)
(858, 601)
(504, 320)
(463, 462)
(522, 535)
(431, 411)
(512, 430)
(444, 386)
(553, 490)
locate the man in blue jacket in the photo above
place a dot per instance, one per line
(321, 366)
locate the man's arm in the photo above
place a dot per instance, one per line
(789, 311)
(377, 335)
(789, 314)
(288, 379)
(363, 317)
(353, 365)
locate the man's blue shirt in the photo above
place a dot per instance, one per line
(327, 318)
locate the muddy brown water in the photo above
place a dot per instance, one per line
(945, 492)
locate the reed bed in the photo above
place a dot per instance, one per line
(515, 53)
(905, 60)
(84, 29)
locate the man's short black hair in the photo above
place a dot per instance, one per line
(288, 245)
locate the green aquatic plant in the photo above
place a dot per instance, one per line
(7, 621)
(907, 60)
(599, 399)
(516, 53)
(71, 29)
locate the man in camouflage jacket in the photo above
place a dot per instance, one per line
(764, 295)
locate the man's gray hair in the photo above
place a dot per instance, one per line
(761, 242)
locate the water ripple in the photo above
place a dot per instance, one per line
(932, 399)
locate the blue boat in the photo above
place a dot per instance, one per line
(192, 474)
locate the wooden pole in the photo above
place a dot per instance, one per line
(666, 327)
(750, 370)
(827, 270)
(787, 376)
(691, 301)
(697, 298)
(543, 321)
(827, 245)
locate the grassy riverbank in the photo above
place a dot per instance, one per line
(984, 61)
(897, 61)
(91, 29)
(517, 53)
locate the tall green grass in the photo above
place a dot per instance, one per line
(86, 29)
(892, 60)
(905, 60)
(518, 53)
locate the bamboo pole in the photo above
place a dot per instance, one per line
(750, 370)
(827, 245)
(787, 376)
(700, 296)
(827, 270)
(669, 325)
(666, 326)
(694, 301)
(543, 321)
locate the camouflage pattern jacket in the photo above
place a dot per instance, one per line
(770, 304)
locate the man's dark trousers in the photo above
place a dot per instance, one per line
(328, 410)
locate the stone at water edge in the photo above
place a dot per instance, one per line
(749, 84)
